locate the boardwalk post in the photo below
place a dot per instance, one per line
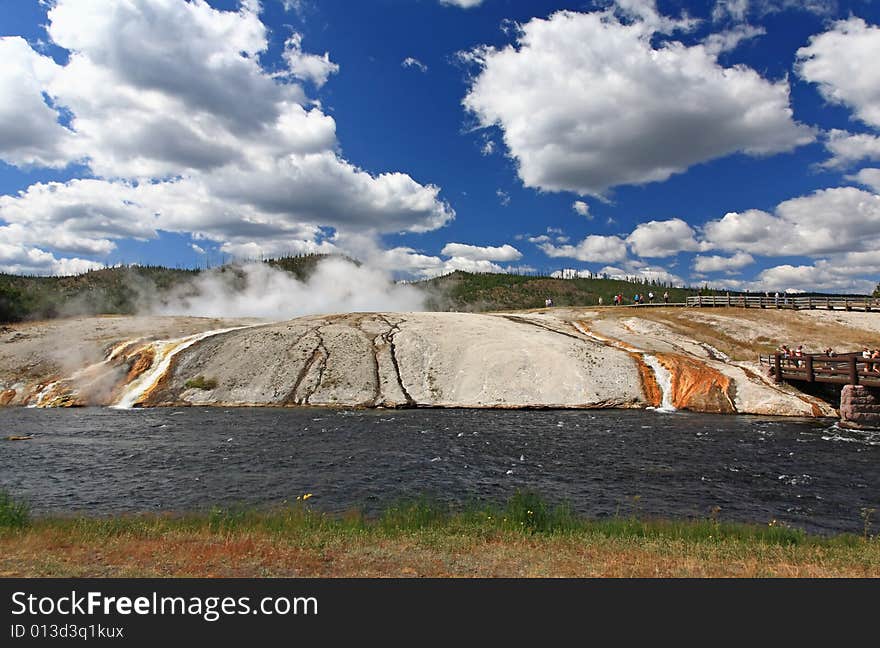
(808, 361)
(853, 371)
(777, 368)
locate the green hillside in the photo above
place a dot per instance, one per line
(109, 290)
(466, 291)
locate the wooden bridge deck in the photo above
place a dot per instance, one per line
(844, 369)
(866, 304)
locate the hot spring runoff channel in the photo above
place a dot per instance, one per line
(806, 473)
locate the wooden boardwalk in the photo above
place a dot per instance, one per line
(866, 304)
(843, 369)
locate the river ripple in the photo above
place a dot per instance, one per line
(806, 473)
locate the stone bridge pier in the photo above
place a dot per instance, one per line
(860, 407)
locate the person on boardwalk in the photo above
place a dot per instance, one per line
(666, 297)
(784, 351)
(651, 297)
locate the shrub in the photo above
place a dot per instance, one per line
(200, 382)
(14, 514)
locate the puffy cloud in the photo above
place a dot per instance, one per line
(662, 238)
(488, 253)
(867, 177)
(753, 230)
(848, 148)
(822, 276)
(23, 260)
(80, 216)
(716, 263)
(30, 133)
(842, 219)
(464, 257)
(308, 67)
(587, 101)
(582, 208)
(594, 248)
(172, 144)
(410, 62)
(843, 62)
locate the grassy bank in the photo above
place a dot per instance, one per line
(523, 538)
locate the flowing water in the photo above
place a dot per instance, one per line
(806, 473)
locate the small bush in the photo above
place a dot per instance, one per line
(413, 516)
(200, 382)
(13, 514)
(528, 512)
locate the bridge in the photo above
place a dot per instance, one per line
(842, 369)
(866, 304)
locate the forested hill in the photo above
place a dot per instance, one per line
(116, 290)
(120, 290)
(465, 291)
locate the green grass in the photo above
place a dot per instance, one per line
(14, 514)
(525, 513)
(524, 536)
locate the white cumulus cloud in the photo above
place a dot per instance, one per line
(662, 238)
(594, 248)
(843, 62)
(305, 66)
(482, 253)
(610, 106)
(190, 134)
(837, 220)
(582, 208)
(849, 148)
(717, 263)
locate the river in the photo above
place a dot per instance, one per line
(802, 472)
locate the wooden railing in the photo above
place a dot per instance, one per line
(843, 369)
(867, 304)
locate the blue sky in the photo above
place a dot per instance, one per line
(734, 142)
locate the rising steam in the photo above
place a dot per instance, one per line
(258, 290)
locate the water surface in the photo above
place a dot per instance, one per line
(802, 472)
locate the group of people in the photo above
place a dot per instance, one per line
(639, 298)
(872, 354)
(797, 356)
